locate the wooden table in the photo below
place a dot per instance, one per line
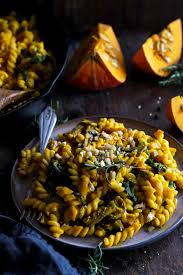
(141, 98)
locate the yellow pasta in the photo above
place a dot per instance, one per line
(24, 61)
(102, 179)
(54, 226)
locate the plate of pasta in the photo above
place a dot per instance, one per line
(112, 180)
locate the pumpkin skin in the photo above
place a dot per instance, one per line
(98, 63)
(174, 111)
(160, 50)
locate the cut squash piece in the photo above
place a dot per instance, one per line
(160, 50)
(174, 111)
(98, 63)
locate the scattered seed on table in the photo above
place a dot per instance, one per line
(158, 101)
(139, 107)
(159, 98)
(150, 114)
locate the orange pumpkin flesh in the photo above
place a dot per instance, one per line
(174, 111)
(99, 62)
(160, 50)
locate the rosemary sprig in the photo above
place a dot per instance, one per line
(96, 265)
(176, 76)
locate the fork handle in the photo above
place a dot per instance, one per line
(47, 121)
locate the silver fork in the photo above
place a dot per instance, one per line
(47, 121)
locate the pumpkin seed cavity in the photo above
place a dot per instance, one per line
(162, 44)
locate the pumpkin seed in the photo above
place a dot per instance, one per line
(163, 40)
(106, 56)
(112, 54)
(170, 36)
(167, 35)
(158, 45)
(169, 48)
(167, 59)
(115, 62)
(108, 46)
(162, 48)
(104, 37)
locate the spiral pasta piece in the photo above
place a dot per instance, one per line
(73, 173)
(44, 163)
(26, 164)
(67, 195)
(149, 193)
(40, 191)
(12, 58)
(52, 208)
(34, 203)
(78, 231)
(54, 226)
(120, 237)
(73, 212)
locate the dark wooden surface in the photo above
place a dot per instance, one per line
(120, 13)
(163, 257)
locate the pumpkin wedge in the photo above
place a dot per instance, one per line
(174, 111)
(98, 63)
(160, 50)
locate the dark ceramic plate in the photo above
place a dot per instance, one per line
(19, 189)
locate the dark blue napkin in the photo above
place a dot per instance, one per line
(23, 251)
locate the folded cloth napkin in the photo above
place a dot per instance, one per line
(23, 251)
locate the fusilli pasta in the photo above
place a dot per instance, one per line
(103, 179)
(24, 61)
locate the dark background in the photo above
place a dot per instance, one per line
(133, 22)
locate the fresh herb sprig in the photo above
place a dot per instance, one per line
(104, 169)
(56, 171)
(171, 184)
(129, 187)
(158, 167)
(176, 76)
(39, 58)
(96, 265)
(139, 149)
